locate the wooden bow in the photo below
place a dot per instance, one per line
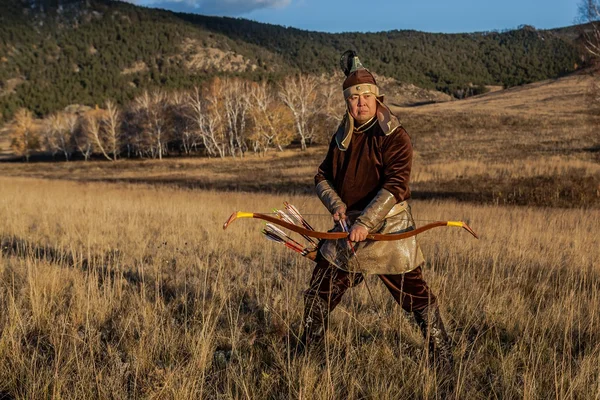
(342, 235)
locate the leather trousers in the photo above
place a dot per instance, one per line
(328, 285)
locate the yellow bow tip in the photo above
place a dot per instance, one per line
(464, 226)
(236, 215)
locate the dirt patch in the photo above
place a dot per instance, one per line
(138, 66)
(201, 58)
(10, 85)
(406, 94)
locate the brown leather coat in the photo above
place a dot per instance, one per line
(372, 161)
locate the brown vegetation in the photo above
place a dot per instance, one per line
(137, 292)
(533, 145)
(119, 290)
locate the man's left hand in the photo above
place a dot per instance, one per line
(358, 233)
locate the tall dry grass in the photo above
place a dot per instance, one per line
(114, 291)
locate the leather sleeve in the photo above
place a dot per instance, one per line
(328, 196)
(377, 209)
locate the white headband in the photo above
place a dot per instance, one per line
(361, 88)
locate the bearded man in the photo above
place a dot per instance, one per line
(364, 181)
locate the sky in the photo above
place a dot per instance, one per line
(448, 16)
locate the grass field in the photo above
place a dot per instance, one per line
(134, 291)
(117, 281)
(537, 144)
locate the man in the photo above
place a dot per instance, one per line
(364, 180)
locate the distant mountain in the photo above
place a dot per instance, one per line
(58, 52)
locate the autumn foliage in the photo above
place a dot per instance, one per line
(225, 117)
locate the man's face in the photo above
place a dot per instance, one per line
(362, 107)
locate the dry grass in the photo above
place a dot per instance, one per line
(134, 291)
(540, 180)
(556, 97)
(549, 118)
(538, 144)
(116, 279)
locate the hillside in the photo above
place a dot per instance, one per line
(557, 97)
(88, 51)
(544, 118)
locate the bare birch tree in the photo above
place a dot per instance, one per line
(153, 108)
(589, 14)
(235, 109)
(111, 122)
(299, 94)
(94, 131)
(142, 105)
(187, 135)
(207, 121)
(58, 134)
(159, 122)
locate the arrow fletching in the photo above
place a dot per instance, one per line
(295, 214)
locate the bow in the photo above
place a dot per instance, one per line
(341, 235)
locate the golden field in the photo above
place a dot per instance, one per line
(113, 290)
(117, 281)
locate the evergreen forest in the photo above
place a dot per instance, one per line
(89, 51)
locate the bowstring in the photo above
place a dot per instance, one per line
(329, 215)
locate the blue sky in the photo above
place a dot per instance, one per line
(383, 15)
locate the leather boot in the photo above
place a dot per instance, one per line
(432, 327)
(316, 315)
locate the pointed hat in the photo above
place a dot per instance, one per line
(359, 80)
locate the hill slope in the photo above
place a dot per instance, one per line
(91, 50)
(563, 97)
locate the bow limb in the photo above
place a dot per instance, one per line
(414, 232)
(287, 225)
(342, 235)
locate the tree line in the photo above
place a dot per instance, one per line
(225, 117)
(80, 55)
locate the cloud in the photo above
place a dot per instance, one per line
(213, 7)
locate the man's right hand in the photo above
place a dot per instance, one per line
(339, 214)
